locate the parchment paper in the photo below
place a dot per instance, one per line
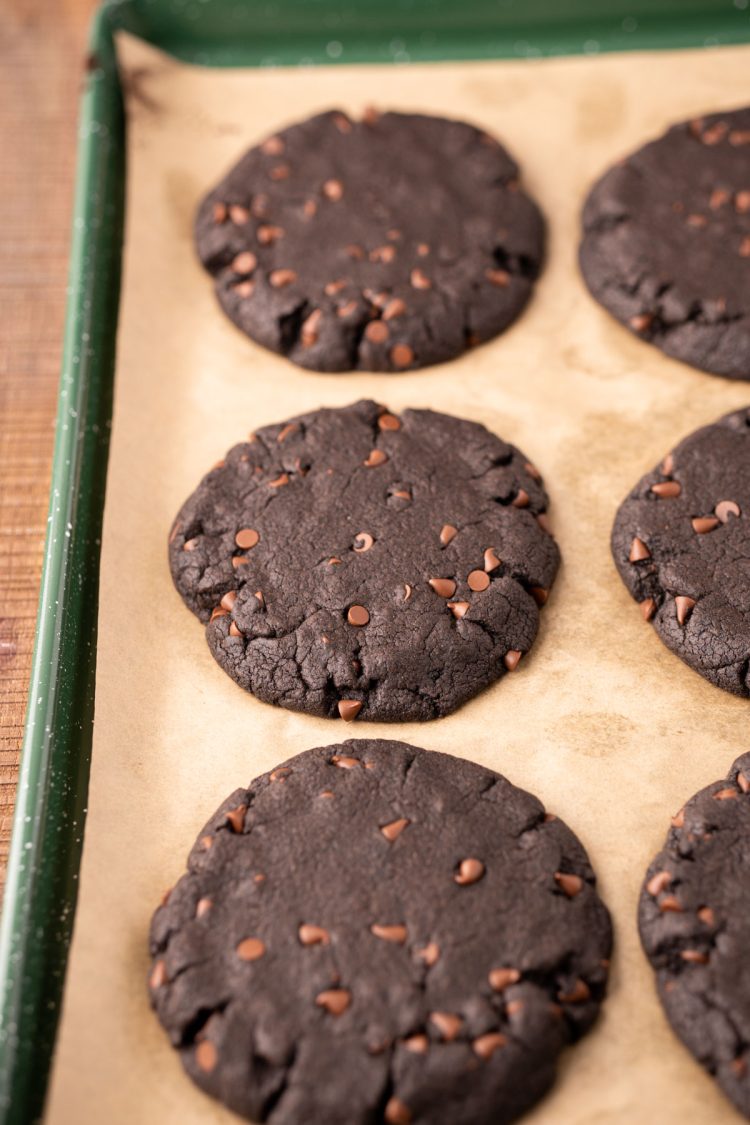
(606, 726)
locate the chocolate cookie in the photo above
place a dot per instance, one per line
(382, 244)
(666, 243)
(681, 542)
(694, 918)
(375, 933)
(352, 562)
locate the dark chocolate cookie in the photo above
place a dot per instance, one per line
(375, 933)
(694, 918)
(681, 542)
(354, 562)
(666, 243)
(383, 244)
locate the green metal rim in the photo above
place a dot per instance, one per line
(42, 874)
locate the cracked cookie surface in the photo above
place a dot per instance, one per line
(354, 563)
(666, 242)
(694, 920)
(384, 244)
(681, 542)
(376, 933)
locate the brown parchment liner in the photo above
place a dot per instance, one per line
(605, 725)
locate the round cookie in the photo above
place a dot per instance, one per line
(355, 563)
(376, 933)
(694, 919)
(379, 245)
(681, 542)
(666, 242)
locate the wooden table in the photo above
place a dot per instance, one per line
(43, 47)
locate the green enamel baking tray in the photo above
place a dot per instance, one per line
(42, 876)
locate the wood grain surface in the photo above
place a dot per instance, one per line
(42, 46)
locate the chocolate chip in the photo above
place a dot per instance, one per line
(394, 829)
(281, 773)
(742, 202)
(218, 612)
(418, 1044)
(236, 818)
(377, 332)
(576, 995)
(383, 254)
(310, 328)
(251, 949)
(279, 481)
(239, 215)
(203, 906)
(375, 458)
(190, 544)
(469, 871)
(512, 658)
(726, 508)
(491, 561)
(334, 1000)
(658, 883)
(648, 608)
(540, 595)
(478, 580)
(459, 609)
(158, 976)
(684, 607)
(726, 795)
(395, 307)
(570, 884)
(703, 524)
(227, 602)
(670, 904)
(419, 280)
(346, 309)
(244, 289)
(388, 421)
(354, 251)
(244, 262)
(357, 615)
(273, 146)
(247, 538)
(706, 916)
(641, 322)
(220, 212)
(500, 278)
(333, 190)
(500, 979)
(667, 489)
(522, 499)
(401, 355)
(397, 1112)
(396, 934)
(448, 1024)
(430, 954)
(362, 542)
(333, 287)
(719, 196)
(443, 587)
(486, 1045)
(447, 533)
(206, 1056)
(313, 935)
(279, 279)
(267, 234)
(638, 551)
(279, 172)
(344, 762)
(349, 709)
(694, 956)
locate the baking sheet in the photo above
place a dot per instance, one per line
(608, 728)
